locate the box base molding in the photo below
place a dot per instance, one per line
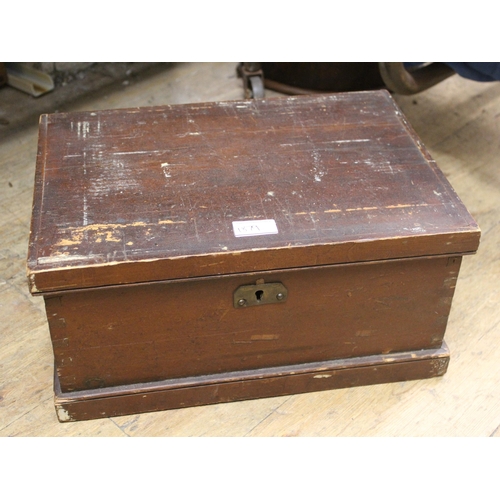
(250, 384)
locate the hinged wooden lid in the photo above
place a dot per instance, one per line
(139, 195)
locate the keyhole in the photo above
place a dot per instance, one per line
(259, 294)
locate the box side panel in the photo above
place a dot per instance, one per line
(38, 196)
(133, 334)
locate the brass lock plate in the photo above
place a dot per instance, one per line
(259, 294)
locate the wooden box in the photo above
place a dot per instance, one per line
(203, 253)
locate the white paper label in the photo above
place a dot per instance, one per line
(254, 227)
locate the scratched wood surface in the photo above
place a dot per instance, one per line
(457, 120)
(145, 195)
(137, 195)
(137, 334)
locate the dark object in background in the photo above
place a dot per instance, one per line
(3, 74)
(304, 78)
(478, 71)
(309, 78)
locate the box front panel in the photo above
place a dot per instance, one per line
(132, 334)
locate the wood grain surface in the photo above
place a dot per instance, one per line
(252, 384)
(144, 194)
(112, 336)
(458, 121)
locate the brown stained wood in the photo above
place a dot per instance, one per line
(131, 334)
(458, 122)
(138, 195)
(134, 248)
(203, 390)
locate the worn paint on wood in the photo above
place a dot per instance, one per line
(185, 328)
(236, 386)
(343, 176)
(134, 248)
(457, 120)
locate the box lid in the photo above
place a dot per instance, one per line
(146, 194)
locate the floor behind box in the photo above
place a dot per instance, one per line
(458, 121)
